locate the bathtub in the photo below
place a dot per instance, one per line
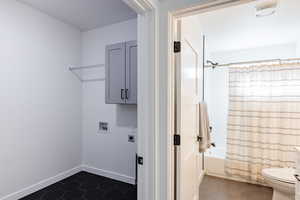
(214, 165)
(214, 161)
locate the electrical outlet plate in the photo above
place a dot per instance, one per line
(131, 138)
(103, 127)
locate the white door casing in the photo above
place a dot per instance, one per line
(148, 175)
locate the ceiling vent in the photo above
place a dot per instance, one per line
(266, 7)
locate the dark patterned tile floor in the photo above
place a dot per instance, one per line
(86, 186)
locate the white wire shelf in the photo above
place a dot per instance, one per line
(74, 70)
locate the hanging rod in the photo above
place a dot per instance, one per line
(73, 69)
(250, 62)
(86, 67)
(92, 80)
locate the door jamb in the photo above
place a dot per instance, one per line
(148, 112)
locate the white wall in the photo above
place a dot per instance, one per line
(110, 153)
(237, 28)
(40, 101)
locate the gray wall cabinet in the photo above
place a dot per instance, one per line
(121, 73)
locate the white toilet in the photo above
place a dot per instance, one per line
(282, 181)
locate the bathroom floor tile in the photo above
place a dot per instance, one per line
(213, 188)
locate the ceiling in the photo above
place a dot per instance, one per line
(84, 14)
(237, 27)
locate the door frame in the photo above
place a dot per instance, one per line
(156, 95)
(148, 112)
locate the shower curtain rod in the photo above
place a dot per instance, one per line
(250, 62)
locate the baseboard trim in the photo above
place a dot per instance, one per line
(109, 174)
(45, 183)
(42, 184)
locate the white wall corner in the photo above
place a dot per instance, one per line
(109, 174)
(42, 184)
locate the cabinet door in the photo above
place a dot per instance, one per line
(115, 60)
(131, 72)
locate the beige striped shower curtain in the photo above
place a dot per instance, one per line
(264, 118)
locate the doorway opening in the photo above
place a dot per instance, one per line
(238, 62)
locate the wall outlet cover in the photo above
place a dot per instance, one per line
(103, 127)
(131, 138)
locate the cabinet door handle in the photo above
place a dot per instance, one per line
(126, 94)
(122, 94)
